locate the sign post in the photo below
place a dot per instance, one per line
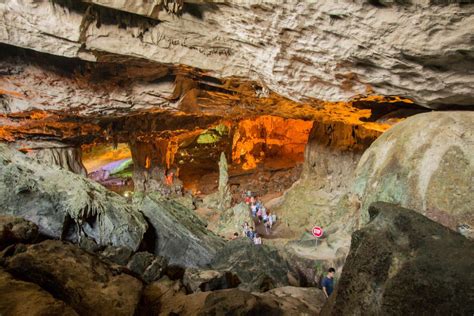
(317, 232)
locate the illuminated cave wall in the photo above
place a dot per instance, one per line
(269, 137)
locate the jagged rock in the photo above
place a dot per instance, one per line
(16, 230)
(117, 255)
(259, 268)
(404, 263)
(222, 199)
(180, 235)
(19, 298)
(66, 205)
(425, 163)
(76, 277)
(196, 280)
(148, 266)
(327, 50)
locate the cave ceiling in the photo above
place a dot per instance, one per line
(115, 71)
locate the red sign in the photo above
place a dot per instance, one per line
(317, 231)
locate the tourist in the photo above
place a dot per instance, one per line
(253, 208)
(257, 240)
(248, 197)
(251, 233)
(260, 212)
(246, 228)
(328, 282)
(235, 236)
(267, 221)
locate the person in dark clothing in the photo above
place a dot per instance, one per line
(328, 282)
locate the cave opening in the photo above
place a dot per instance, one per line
(265, 155)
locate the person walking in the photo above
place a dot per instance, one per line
(328, 282)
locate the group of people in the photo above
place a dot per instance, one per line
(260, 212)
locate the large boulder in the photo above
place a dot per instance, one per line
(180, 234)
(404, 263)
(19, 298)
(64, 204)
(259, 268)
(15, 230)
(425, 163)
(88, 285)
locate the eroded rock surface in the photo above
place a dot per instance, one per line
(66, 205)
(168, 297)
(16, 230)
(404, 263)
(76, 277)
(425, 163)
(260, 268)
(19, 298)
(180, 234)
(327, 50)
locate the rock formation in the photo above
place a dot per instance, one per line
(331, 155)
(179, 234)
(16, 230)
(259, 268)
(425, 163)
(76, 277)
(66, 205)
(402, 262)
(222, 199)
(329, 50)
(25, 298)
(169, 297)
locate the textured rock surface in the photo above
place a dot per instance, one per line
(76, 277)
(260, 268)
(16, 230)
(66, 205)
(331, 155)
(404, 263)
(231, 220)
(66, 157)
(148, 266)
(196, 280)
(425, 163)
(328, 50)
(19, 298)
(167, 297)
(222, 199)
(179, 233)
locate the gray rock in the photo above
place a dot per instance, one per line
(180, 235)
(404, 263)
(196, 280)
(259, 268)
(76, 277)
(66, 205)
(16, 230)
(148, 266)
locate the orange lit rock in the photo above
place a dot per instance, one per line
(269, 136)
